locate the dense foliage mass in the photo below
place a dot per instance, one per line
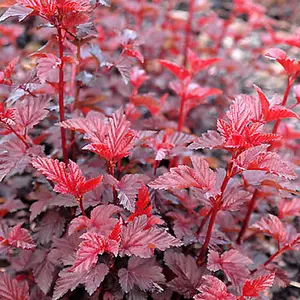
(149, 149)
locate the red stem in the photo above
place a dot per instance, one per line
(214, 213)
(204, 221)
(273, 256)
(111, 170)
(188, 32)
(80, 200)
(208, 236)
(61, 88)
(252, 203)
(181, 113)
(251, 207)
(284, 101)
(17, 135)
(277, 253)
(185, 61)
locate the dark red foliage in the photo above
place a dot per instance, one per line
(149, 149)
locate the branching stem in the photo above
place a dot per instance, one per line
(252, 202)
(215, 210)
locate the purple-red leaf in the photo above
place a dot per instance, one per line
(92, 246)
(201, 176)
(272, 226)
(188, 273)
(213, 289)
(179, 72)
(232, 263)
(136, 240)
(69, 181)
(252, 288)
(11, 289)
(141, 272)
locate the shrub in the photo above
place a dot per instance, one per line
(145, 153)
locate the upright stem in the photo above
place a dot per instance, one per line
(204, 221)
(76, 97)
(208, 236)
(188, 32)
(111, 171)
(80, 200)
(185, 61)
(252, 202)
(61, 88)
(214, 213)
(181, 113)
(284, 101)
(251, 207)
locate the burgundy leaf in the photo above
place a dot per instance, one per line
(95, 277)
(92, 246)
(30, 111)
(201, 176)
(16, 161)
(188, 273)
(141, 272)
(272, 226)
(67, 181)
(211, 139)
(101, 220)
(118, 140)
(11, 289)
(48, 66)
(288, 207)
(20, 238)
(17, 10)
(136, 240)
(257, 158)
(43, 271)
(67, 281)
(232, 263)
(213, 289)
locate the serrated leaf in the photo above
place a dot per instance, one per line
(232, 263)
(201, 176)
(30, 111)
(95, 277)
(213, 289)
(118, 140)
(69, 181)
(86, 29)
(11, 289)
(211, 139)
(257, 158)
(272, 226)
(19, 11)
(48, 66)
(20, 238)
(179, 72)
(288, 207)
(16, 161)
(136, 240)
(43, 272)
(252, 288)
(188, 273)
(92, 246)
(141, 272)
